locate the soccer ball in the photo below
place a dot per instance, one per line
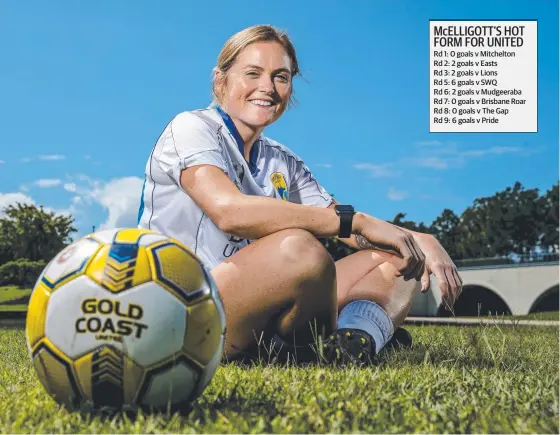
(125, 319)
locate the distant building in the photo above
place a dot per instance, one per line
(498, 286)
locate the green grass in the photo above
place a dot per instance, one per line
(546, 315)
(20, 308)
(551, 315)
(9, 293)
(14, 298)
(454, 380)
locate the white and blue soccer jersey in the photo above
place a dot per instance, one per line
(209, 137)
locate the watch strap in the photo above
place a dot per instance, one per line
(346, 215)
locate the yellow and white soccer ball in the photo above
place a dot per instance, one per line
(123, 319)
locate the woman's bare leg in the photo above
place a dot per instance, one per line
(287, 279)
(364, 328)
(370, 275)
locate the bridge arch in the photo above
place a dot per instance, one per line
(477, 299)
(546, 301)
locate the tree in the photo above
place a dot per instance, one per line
(399, 221)
(445, 229)
(548, 206)
(30, 232)
(499, 225)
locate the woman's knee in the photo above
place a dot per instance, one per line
(303, 254)
(379, 284)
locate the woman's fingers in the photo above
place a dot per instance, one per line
(410, 260)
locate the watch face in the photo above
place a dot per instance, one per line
(345, 208)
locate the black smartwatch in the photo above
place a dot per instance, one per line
(346, 213)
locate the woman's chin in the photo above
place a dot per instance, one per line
(259, 121)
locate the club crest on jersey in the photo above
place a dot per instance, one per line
(279, 183)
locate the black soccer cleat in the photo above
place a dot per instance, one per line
(349, 346)
(401, 339)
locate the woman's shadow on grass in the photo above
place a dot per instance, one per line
(473, 354)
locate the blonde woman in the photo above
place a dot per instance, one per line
(250, 208)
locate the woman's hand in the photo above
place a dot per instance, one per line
(376, 234)
(420, 255)
(440, 264)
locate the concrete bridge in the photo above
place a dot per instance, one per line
(528, 286)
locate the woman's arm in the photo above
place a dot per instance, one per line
(437, 262)
(358, 241)
(253, 217)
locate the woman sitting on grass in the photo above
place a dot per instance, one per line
(252, 211)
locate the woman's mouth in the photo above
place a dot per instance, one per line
(265, 104)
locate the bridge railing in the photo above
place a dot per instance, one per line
(508, 261)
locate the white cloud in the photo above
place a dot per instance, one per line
(44, 157)
(474, 153)
(432, 162)
(12, 198)
(377, 171)
(505, 150)
(429, 143)
(47, 182)
(51, 157)
(498, 150)
(70, 187)
(68, 211)
(439, 155)
(396, 195)
(84, 177)
(447, 150)
(324, 165)
(7, 199)
(121, 198)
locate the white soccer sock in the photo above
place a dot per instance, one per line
(369, 317)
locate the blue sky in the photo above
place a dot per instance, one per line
(87, 87)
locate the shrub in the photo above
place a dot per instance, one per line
(21, 272)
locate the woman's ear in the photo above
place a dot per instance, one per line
(215, 73)
(219, 81)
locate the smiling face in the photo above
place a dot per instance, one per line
(256, 89)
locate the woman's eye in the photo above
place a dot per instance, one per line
(283, 78)
(252, 74)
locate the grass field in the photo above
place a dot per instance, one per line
(552, 315)
(13, 298)
(9, 294)
(454, 380)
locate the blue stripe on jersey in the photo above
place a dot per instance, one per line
(233, 130)
(141, 208)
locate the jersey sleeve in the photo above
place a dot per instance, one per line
(304, 187)
(188, 141)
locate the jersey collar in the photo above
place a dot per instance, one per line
(235, 133)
